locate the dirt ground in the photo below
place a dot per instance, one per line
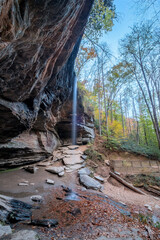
(90, 217)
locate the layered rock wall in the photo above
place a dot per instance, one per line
(39, 41)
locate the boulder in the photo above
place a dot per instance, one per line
(55, 169)
(89, 182)
(84, 171)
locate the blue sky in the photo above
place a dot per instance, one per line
(126, 18)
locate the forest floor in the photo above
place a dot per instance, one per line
(116, 212)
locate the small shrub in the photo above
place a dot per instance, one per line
(147, 151)
(93, 154)
(112, 144)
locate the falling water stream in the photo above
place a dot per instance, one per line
(74, 113)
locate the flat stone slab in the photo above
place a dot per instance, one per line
(89, 182)
(84, 171)
(72, 160)
(5, 230)
(25, 234)
(55, 169)
(75, 167)
(72, 152)
(99, 178)
(73, 147)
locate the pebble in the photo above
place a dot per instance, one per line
(50, 181)
(99, 178)
(23, 184)
(61, 174)
(148, 207)
(36, 198)
(107, 162)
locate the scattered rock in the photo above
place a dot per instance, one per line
(55, 169)
(31, 169)
(23, 184)
(50, 181)
(25, 234)
(36, 198)
(61, 174)
(89, 182)
(107, 162)
(32, 184)
(99, 178)
(72, 160)
(5, 230)
(73, 147)
(44, 222)
(148, 207)
(123, 204)
(84, 171)
(84, 157)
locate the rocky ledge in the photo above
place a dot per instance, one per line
(39, 41)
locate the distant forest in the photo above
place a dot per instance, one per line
(123, 92)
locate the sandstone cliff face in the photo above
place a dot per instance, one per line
(39, 41)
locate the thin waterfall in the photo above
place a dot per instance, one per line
(74, 112)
